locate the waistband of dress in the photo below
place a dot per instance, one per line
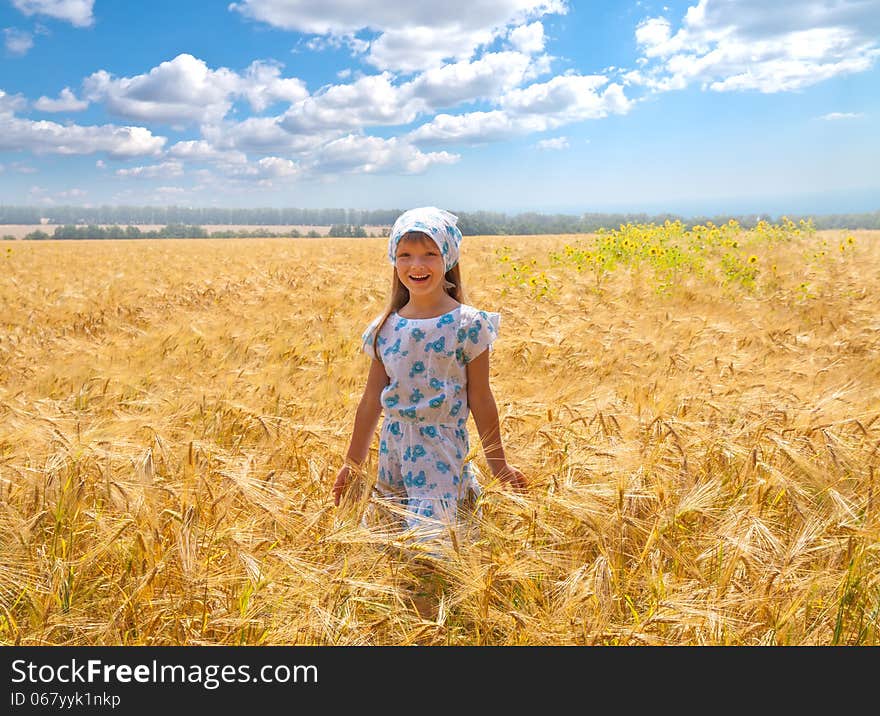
(418, 423)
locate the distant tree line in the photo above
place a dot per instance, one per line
(193, 216)
(347, 230)
(171, 231)
(76, 222)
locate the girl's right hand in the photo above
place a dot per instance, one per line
(341, 481)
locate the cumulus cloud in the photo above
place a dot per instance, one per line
(180, 90)
(245, 176)
(368, 155)
(10, 103)
(262, 135)
(263, 85)
(17, 133)
(410, 36)
(343, 16)
(723, 45)
(528, 38)
(570, 95)
(185, 90)
(66, 102)
(152, 171)
(425, 46)
(52, 138)
(77, 12)
(377, 100)
(487, 78)
(201, 151)
(538, 107)
(323, 42)
(277, 167)
(473, 128)
(17, 42)
(551, 144)
(373, 99)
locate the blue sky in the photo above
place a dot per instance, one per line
(705, 106)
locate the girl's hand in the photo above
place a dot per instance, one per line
(510, 474)
(341, 481)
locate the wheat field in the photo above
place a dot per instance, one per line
(702, 454)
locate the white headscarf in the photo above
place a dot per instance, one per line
(439, 224)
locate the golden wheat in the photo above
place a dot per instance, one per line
(703, 463)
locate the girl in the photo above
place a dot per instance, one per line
(430, 369)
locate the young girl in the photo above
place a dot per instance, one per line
(430, 369)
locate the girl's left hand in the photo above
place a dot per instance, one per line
(510, 474)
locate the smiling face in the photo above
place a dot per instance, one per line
(420, 265)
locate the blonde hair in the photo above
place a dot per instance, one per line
(400, 293)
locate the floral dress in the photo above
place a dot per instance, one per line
(424, 438)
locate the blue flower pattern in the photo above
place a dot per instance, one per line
(424, 436)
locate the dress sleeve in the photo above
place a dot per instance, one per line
(480, 334)
(367, 337)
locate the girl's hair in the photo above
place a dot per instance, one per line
(400, 293)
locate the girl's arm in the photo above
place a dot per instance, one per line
(482, 405)
(365, 421)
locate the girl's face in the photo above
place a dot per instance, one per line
(420, 265)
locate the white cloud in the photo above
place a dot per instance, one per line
(276, 167)
(528, 38)
(44, 137)
(831, 116)
(472, 128)
(185, 90)
(17, 42)
(754, 45)
(536, 108)
(320, 43)
(555, 143)
(77, 12)
(373, 99)
(376, 100)
(425, 46)
(411, 36)
(653, 35)
(486, 78)
(10, 103)
(246, 176)
(368, 155)
(262, 135)
(180, 90)
(152, 171)
(567, 98)
(202, 151)
(344, 16)
(20, 134)
(66, 102)
(101, 164)
(263, 85)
